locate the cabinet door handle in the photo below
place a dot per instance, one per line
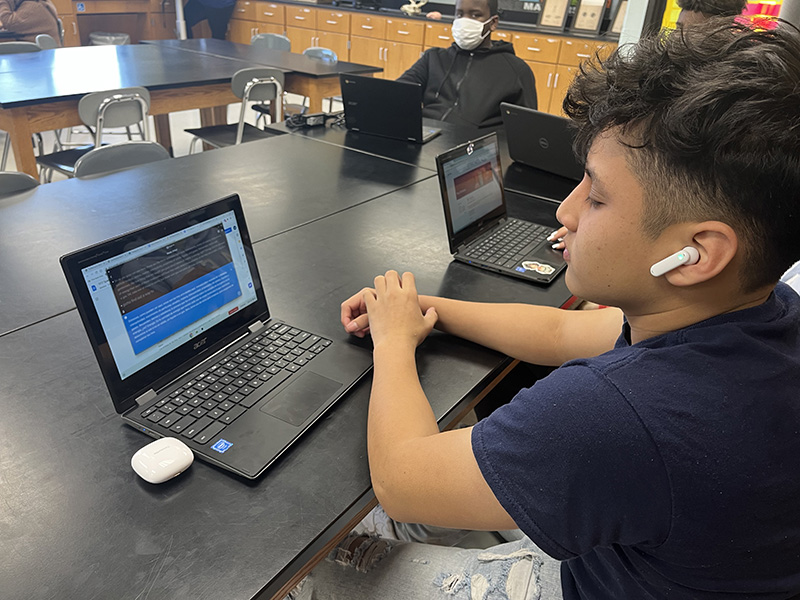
(332, 22)
(299, 18)
(549, 79)
(385, 54)
(444, 37)
(403, 32)
(579, 55)
(534, 49)
(367, 27)
(74, 28)
(555, 83)
(269, 14)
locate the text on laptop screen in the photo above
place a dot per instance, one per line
(473, 185)
(161, 293)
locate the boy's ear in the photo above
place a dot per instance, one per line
(717, 244)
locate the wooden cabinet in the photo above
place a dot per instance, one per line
(437, 35)
(389, 43)
(308, 27)
(251, 18)
(72, 36)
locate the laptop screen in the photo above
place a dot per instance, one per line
(157, 301)
(470, 178)
(159, 294)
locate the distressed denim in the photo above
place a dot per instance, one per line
(365, 567)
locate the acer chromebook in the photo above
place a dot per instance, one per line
(384, 107)
(540, 140)
(478, 227)
(177, 316)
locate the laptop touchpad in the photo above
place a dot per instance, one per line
(301, 398)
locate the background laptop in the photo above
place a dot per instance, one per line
(541, 140)
(178, 320)
(384, 107)
(478, 227)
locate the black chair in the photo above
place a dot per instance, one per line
(255, 84)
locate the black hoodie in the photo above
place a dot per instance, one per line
(467, 86)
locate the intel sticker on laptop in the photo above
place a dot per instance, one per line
(222, 445)
(541, 268)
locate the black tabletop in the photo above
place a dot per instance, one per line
(289, 61)
(284, 182)
(64, 73)
(519, 178)
(79, 523)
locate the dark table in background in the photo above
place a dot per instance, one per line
(39, 91)
(305, 76)
(519, 178)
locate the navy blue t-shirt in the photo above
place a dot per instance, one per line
(665, 469)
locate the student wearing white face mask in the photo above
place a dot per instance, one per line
(466, 82)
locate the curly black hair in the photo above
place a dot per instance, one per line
(711, 117)
(714, 8)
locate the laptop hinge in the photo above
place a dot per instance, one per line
(146, 397)
(257, 326)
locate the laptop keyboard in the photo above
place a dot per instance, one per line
(509, 244)
(201, 408)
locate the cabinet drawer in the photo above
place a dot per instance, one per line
(245, 9)
(438, 35)
(574, 52)
(539, 48)
(506, 36)
(367, 26)
(407, 32)
(269, 12)
(332, 20)
(300, 16)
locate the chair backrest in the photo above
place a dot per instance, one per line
(12, 182)
(257, 84)
(46, 42)
(322, 54)
(275, 41)
(119, 156)
(18, 47)
(61, 31)
(115, 108)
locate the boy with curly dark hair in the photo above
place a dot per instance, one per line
(661, 459)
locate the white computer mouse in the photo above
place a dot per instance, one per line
(162, 460)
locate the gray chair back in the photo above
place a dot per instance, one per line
(115, 108)
(12, 182)
(319, 53)
(46, 42)
(274, 41)
(257, 84)
(119, 156)
(18, 47)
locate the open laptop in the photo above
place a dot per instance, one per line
(177, 316)
(384, 107)
(478, 227)
(541, 140)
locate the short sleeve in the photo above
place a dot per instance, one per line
(574, 466)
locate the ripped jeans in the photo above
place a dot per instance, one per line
(365, 567)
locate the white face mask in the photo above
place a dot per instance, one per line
(468, 33)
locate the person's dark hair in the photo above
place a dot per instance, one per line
(711, 117)
(492, 7)
(714, 8)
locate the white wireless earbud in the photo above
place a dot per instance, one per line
(687, 256)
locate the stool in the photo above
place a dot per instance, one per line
(102, 38)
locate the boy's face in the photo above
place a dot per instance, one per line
(607, 254)
(477, 10)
